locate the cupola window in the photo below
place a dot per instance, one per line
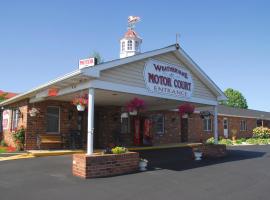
(123, 46)
(129, 45)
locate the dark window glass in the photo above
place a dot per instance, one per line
(52, 120)
(158, 123)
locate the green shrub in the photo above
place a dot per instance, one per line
(3, 143)
(119, 150)
(261, 132)
(240, 140)
(225, 141)
(210, 140)
(19, 137)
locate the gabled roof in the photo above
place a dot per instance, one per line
(95, 72)
(180, 54)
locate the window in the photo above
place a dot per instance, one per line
(53, 119)
(158, 123)
(207, 124)
(123, 46)
(243, 125)
(125, 125)
(129, 45)
(136, 45)
(1, 121)
(15, 119)
(259, 122)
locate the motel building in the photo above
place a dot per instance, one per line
(162, 79)
(159, 81)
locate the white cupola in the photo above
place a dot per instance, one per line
(130, 44)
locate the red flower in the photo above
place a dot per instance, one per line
(186, 108)
(135, 104)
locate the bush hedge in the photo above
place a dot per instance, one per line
(261, 132)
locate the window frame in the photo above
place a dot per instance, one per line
(241, 125)
(59, 119)
(207, 125)
(14, 119)
(154, 116)
(129, 45)
(123, 46)
(127, 126)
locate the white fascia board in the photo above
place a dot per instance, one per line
(183, 56)
(143, 91)
(67, 90)
(96, 69)
(29, 93)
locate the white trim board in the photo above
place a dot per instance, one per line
(142, 91)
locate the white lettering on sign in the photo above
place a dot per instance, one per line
(168, 79)
(89, 62)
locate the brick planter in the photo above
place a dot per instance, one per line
(212, 150)
(98, 165)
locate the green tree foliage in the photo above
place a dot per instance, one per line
(98, 57)
(235, 99)
(3, 97)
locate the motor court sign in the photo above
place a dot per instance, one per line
(167, 79)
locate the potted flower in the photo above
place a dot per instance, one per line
(186, 109)
(197, 154)
(234, 134)
(81, 102)
(33, 112)
(135, 105)
(143, 164)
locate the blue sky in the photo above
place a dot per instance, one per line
(230, 40)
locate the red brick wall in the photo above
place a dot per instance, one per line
(7, 134)
(196, 132)
(172, 128)
(37, 125)
(104, 165)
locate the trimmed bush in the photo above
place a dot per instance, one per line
(225, 141)
(119, 150)
(210, 140)
(261, 132)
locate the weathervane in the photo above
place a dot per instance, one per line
(132, 20)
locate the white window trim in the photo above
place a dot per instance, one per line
(163, 123)
(59, 121)
(211, 127)
(13, 111)
(131, 47)
(245, 127)
(123, 46)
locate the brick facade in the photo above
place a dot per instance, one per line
(108, 126)
(7, 133)
(104, 165)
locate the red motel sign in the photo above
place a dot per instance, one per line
(88, 62)
(52, 92)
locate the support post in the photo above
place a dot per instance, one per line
(216, 124)
(90, 127)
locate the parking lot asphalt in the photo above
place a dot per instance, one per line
(243, 174)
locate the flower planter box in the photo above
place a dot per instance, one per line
(211, 150)
(98, 165)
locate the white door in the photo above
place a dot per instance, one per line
(225, 127)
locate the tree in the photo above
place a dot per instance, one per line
(235, 99)
(3, 97)
(97, 55)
